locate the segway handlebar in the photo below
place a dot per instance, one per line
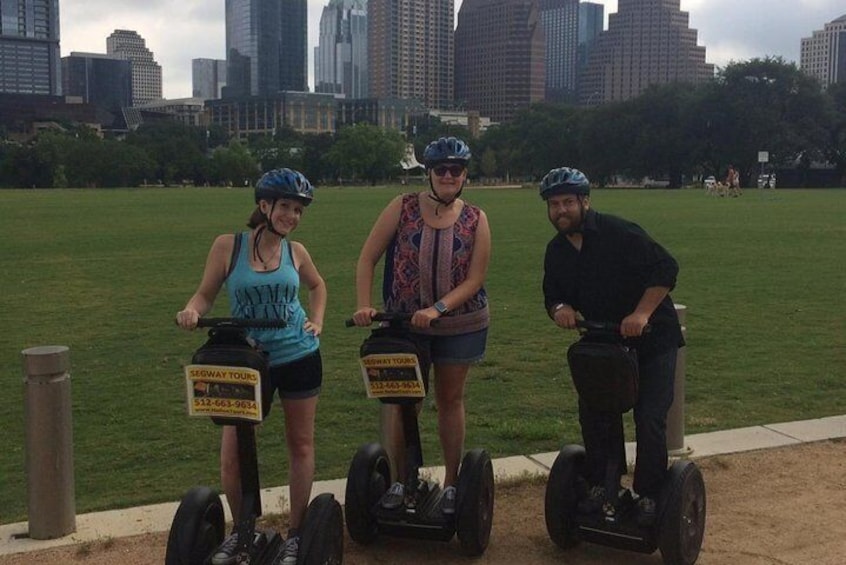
(605, 327)
(383, 317)
(592, 325)
(254, 323)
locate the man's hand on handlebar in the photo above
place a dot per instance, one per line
(634, 324)
(565, 317)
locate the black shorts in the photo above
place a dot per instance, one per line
(298, 379)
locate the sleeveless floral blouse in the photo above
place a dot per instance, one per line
(423, 264)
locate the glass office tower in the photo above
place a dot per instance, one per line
(102, 80)
(340, 58)
(560, 21)
(265, 47)
(29, 47)
(208, 77)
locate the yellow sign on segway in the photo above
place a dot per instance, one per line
(392, 375)
(225, 392)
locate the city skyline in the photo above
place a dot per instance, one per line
(728, 29)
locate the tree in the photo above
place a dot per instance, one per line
(233, 165)
(178, 150)
(664, 143)
(316, 164)
(284, 149)
(546, 137)
(363, 151)
(835, 147)
(774, 107)
(488, 163)
(608, 134)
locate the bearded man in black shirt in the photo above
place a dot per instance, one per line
(604, 268)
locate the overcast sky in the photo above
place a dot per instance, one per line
(178, 31)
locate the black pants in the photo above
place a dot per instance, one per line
(604, 439)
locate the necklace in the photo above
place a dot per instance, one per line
(268, 263)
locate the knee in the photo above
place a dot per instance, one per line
(451, 405)
(301, 449)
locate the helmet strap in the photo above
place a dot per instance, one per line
(441, 202)
(268, 222)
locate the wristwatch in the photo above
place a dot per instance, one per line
(441, 307)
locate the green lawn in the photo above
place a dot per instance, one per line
(104, 272)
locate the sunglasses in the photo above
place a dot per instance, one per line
(454, 170)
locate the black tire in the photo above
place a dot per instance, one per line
(562, 496)
(475, 502)
(197, 528)
(367, 480)
(682, 514)
(322, 540)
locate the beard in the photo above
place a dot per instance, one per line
(573, 224)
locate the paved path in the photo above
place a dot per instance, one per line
(158, 517)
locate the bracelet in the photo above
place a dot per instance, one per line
(556, 308)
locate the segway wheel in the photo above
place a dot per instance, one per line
(562, 496)
(367, 480)
(197, 528)
(682, 521)
(475, 502)
(322, 540)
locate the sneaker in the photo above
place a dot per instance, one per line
(646, 511)
(225, 553)
(290, 550)
(593, 502)
(395, 497)
(448, 501)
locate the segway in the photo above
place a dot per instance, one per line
(604, 372)
(391, 367)
(228, 381)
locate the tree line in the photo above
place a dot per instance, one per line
(676, 132)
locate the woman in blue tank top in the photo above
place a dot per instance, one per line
(262, 270)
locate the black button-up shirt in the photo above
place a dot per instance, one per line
(606, 279)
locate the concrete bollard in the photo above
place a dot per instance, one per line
(49, 442)
(675, 417)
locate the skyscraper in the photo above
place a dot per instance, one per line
(499, 57)
(102, 80)
(560, 21)
(208, 77)
(591, 20)
(647, 42)
(146, 72)
(340, 58)
(265, 47)
(29, 47)
(410, 48)
(293, 73)
(823, 55)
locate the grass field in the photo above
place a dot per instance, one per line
(104, 272)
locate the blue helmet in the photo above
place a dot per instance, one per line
(284, 183)
(446, 150)
(564, 180)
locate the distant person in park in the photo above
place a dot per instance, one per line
(438, 248)
(603, 268)
(733, 181)
(263, 270)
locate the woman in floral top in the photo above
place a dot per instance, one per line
(437, 249)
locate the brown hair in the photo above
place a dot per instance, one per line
(256, 218)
